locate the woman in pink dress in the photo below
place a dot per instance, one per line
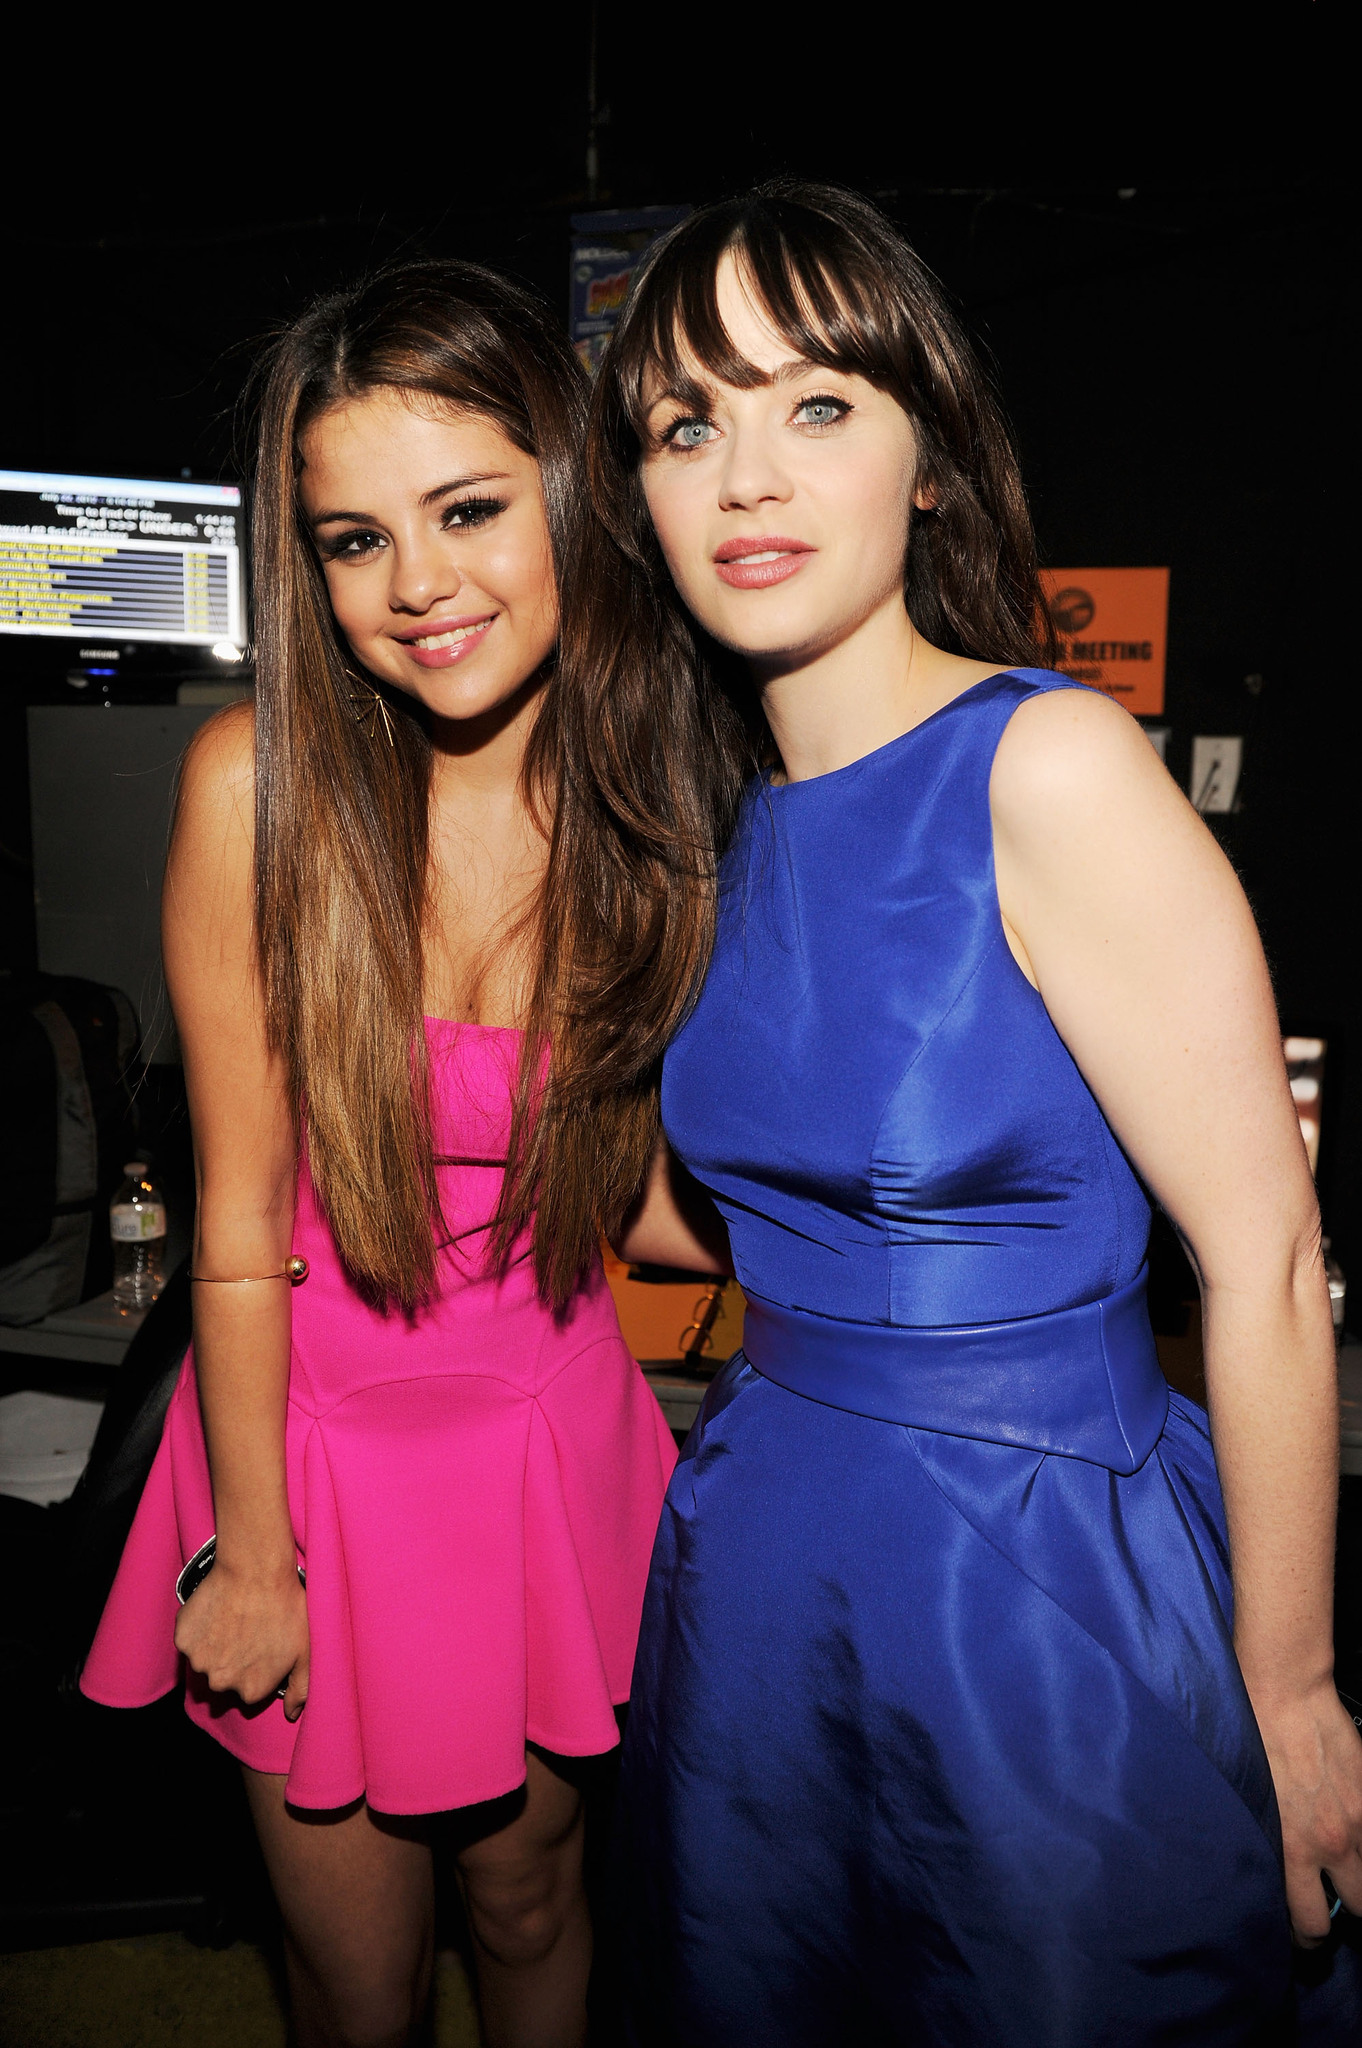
(432, 1469)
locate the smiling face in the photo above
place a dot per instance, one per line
(431, 529)
(782, 510)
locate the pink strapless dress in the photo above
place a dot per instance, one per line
(474, 1494)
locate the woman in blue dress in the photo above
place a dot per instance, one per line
(968, 1709)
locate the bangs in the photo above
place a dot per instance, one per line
(843, 290)
(788, 258)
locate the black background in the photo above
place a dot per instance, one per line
(1173, 359)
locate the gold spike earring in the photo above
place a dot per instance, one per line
(367, 706)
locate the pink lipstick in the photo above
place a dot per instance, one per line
(439, 643)
(756, 561)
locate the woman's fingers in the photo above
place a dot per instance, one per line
(1347, 1882)
(185, 1636)
(1311, 1907)
(295, 1693)
(247, 1642)
(1316, 1761)
(1308, 1906)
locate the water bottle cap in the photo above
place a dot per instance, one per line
(136, 1169)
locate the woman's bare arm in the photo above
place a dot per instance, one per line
(246, 1626)
(674, 1222)
(1127, 917)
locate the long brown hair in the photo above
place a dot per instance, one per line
(645, 735)
(342, 816)
(658, 728)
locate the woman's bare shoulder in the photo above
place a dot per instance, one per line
(1068, 758)
(217, 774)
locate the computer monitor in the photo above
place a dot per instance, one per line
(117, 564)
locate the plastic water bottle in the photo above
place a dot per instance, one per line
(137, 1222)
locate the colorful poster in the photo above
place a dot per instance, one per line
(1112, 627)
(606, 248)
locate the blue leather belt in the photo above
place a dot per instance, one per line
(1083, 1382)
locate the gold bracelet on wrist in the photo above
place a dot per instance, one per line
(294, 1269)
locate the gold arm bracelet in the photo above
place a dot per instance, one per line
(294, 1269)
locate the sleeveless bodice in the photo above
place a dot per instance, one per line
(869, 1085)
(937, 1732)
(474, 1489)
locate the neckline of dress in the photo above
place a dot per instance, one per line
(830, 774)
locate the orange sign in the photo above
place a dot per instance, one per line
(1112, 626)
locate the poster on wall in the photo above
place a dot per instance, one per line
(1112, 627)
(606, 248)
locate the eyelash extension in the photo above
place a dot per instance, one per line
(481, 509)
(842, 405)
(667, 437)
(337, 545)
(471, 512)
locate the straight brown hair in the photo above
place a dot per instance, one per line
(342, 818)
(646, 732)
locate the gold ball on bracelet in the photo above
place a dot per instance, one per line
(296, 1267)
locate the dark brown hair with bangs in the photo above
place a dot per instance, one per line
(342, 816)
(659, 728)
(842, 287)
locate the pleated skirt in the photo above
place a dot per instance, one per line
(936, 1741)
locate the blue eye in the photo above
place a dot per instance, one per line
(690, 433)
(821, 412)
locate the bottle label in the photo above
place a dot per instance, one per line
(130, 1225)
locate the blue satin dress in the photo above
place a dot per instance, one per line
(937, 1734)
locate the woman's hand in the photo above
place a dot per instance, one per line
(1316, 1758)
(1122, 911)
(246, 1632)
(245, 1628)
